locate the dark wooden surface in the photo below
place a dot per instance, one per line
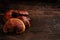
(45, 23)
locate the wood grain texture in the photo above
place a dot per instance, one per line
(45, 23)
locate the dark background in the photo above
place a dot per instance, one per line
(45, 19)
(5, 4)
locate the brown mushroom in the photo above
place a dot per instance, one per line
(14, 24)
(23, 15)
